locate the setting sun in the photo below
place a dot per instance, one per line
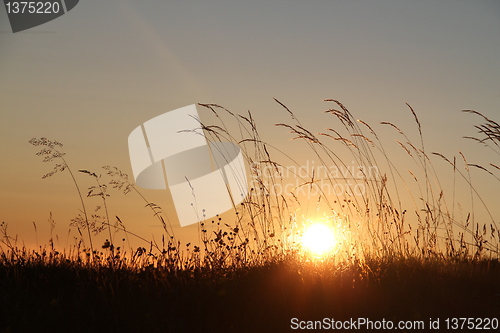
(318, 239)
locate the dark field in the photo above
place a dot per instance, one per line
(66, 297)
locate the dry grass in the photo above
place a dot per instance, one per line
(406, 253)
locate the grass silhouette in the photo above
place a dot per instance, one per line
(405, 252)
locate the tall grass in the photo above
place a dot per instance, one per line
(400, 213)
(404, 247)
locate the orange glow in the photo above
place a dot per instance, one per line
(318, 239)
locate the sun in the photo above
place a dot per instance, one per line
(318, 239)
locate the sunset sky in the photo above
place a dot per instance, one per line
(88, 78)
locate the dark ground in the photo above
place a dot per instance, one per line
(71, 298)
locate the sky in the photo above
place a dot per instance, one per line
(88, 78)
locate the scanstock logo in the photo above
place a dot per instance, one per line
(204, 178)
(28, 14)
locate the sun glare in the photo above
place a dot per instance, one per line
(318, 239)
